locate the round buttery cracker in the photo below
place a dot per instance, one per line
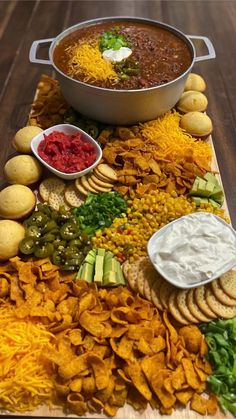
(166, 290)
(221, 310)
(155, 293)
(51, 184)
(200, 298)
(132, 276)
(101, 177)
(181, 300)
(144, 272)
(106, 171)
(194, 309)
(228, 283)
(86, 185)
(99, 182)
(57, 200)
(125, 268)
(98, 188)
(80, 187)
(174, 310)
(73, 196)
(221, 295)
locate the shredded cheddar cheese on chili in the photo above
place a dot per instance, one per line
(25, 376)
(169, 139)
(87, 60)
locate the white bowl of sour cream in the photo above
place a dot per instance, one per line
(193, 250)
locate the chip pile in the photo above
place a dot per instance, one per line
(111, 346)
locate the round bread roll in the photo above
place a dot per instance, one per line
(22, 140)
(16, 201)
(195, 82)
(197, 124)
(11, 233)
(23, 170)
(192, 101)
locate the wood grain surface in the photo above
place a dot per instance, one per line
(22, 22)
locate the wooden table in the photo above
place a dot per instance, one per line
(22, 22)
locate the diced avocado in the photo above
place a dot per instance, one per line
(218, 194)
(214, 203)
(109, 265)
(110, 278)
(78, 276)
(98, 276)
(101, 252)
(209, 188)
(201, 190)
(109, 254)
(197, 200)
(204, 201)
(91, 257)
(210, 177)
(194, 189)
(87, 272)
(120, 276)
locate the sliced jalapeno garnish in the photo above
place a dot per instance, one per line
(33, 231)
(70, 230)
(57, 257)
(38, 218)
(44, 250)
(27, 246)
(50, 225)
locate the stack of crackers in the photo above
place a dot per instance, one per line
(195, 305)
(57, 192)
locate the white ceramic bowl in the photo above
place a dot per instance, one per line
(69, 130)
(222, 258)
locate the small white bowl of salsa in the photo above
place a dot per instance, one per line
(66, 150)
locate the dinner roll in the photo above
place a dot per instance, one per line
(195, 82)
(23, 170)
(192, 101)
(22, 140)
(16, 201)
(196, 124)
(11, 233)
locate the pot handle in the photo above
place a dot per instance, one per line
(34, 48)
(211, 50)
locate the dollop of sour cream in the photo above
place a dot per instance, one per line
(118, 55)
(195, 248)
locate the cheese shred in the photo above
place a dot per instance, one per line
(26, 378)
(170, 140)
(87, 61)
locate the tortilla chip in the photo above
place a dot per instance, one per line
(184, 396)
(76, 405)
(138, 379)
(101, 374)
(190, 374)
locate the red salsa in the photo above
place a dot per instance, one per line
(67, 153)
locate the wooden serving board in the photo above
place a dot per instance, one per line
(127, 412)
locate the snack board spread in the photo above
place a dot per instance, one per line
(138, 345)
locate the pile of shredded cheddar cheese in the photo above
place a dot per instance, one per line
(170, 140)
(87, 60)
(26, 378)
